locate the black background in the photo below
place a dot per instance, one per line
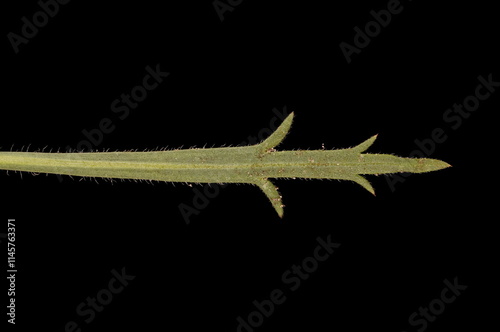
(225, 79)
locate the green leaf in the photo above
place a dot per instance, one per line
(254, 164)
